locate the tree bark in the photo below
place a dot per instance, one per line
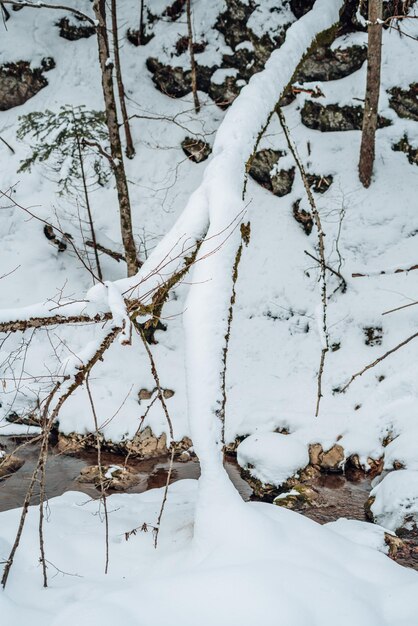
(374, 54)
(130, 150)
(99, 7)
(192, 59)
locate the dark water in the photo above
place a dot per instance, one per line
(340, 495)
(63, 470)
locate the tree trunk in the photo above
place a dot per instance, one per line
(99, 7)
(367, 150)
(141, 23)
(192, 59)
(130, 150)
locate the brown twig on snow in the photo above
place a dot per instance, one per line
(397, 271)
(160, 394)
(44, 5)
(62, 233)
(399, 308)
(7, 144)
(343, 284)
(321, 247)
(381, 358)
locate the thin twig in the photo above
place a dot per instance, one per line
(170, 427)
(44, 5)
(101, 479)
(399, 270)
(7, 144)
(321, 247)
(399, 308)
(381, 358)
(343, 285)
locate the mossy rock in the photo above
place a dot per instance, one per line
(9, 464)
(74, 31)
(262, 167)
(325, 63)
(300, 497)
(19, 82)
(403, 145)
(332, 117)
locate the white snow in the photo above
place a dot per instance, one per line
(275, 568)
(272, 457)
(396, 500)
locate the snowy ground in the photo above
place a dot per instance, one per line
(273, 360)
(294, 570)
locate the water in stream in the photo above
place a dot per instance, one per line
(343, 495)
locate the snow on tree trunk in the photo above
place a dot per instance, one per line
(206, 311)
(374, 54)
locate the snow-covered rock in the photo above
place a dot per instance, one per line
(272, 458)
(395, 503)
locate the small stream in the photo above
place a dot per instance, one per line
(342, 495)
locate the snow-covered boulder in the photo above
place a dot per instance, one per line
(393, 503)
(272, 458)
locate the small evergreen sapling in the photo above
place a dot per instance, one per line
(58, 140)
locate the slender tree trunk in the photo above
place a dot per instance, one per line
(374, 54)
(192, 59)
(99, 7)
(88, 208)
(141, 23)
(130, 150)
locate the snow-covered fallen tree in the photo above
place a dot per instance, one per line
(207, 236)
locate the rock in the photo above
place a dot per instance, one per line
(195, 149)
(263, 491)
(146, 445)
(19, 82)
(395, 545)
(9, 464)
(263, 169)
(299, 497)
(133, 37)
(403, 145)
(368, 508)
(325, 63)
(74, 443)
(333, 459)
(144, 394)
(112, 477)
(225, 93)
(405, 102)
(393, 501)
(26, 420)
(182, 45)
(373, 335)
(320, 184)
(335, 118)
(73, 31)
(300, 7)
(304, 218)
(315, 454)
(175, 9)
(232, 23)
(175, 81)
(309, 473)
